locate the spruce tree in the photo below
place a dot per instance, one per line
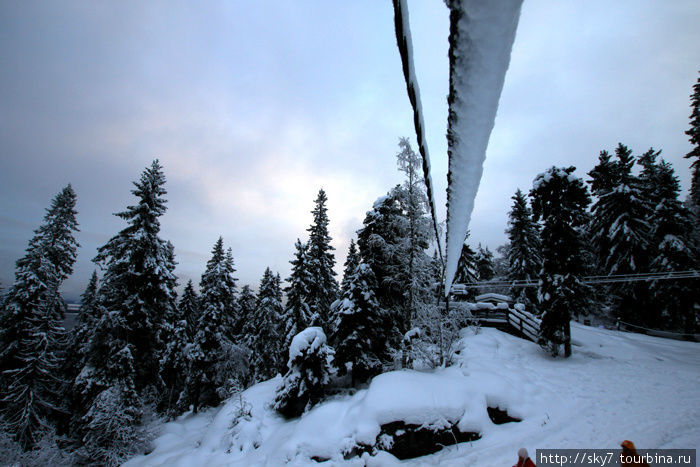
(484, 264)
(213, 336)
(397, 256)
(136, 295)
(694, 137)
(359, 329)
(467, 271)
(297, 313)
(605, 176)
(189, 309)
(324, 289)
(177, 334)
(694, 155)
(624, 211)
(523, 251)
(32, 335)
(559, 200)
(79, 343)
(380, 241)
(265, 333)
(351, 262)
(246, 311)
(676, 300)
(137, 286)
(309, 373)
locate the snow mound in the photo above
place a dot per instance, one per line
(309, 341)
(616, 386)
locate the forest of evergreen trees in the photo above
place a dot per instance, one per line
(140, 353)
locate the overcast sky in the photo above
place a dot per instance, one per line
(253, 106)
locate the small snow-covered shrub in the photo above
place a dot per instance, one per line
(113, 429)
(309, 373)
(232, 370)
(434, 339)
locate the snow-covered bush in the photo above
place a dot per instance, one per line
(232, 370)
(433, 340)
(308, 375)
(113, 426)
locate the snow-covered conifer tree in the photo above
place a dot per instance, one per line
(212, 339)
(265, 331)
(484, 264)
(559, 200)
(694, 137)
(351, 262)
(297, 313)
(136, 295)
(324, 288)
(523, 251)
(380, 244)
(177, 334)
(414, 204)
(360, 334)
(189, 309)
(467, 271)
(32, 335)
(675, 301)
(621, 232)
(309, 373)
(246, 311)
(137, 288)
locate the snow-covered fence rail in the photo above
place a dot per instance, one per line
(525, 322)
(504, 317)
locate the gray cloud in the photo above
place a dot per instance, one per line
(253, 106)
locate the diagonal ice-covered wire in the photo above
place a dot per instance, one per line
(481, 39)
(403, 40)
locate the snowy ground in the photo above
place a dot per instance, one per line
(616, 386)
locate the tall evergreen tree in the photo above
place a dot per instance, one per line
(467, 270)
(297, 313)
(178, 333)
(246, 310)
(137, 289)
(189, 309)
(694, 137)
(559, 200)
(484, 264)
(213, 337)
(79, 343)
(265, 332)
(671, 237)
(523, 251)
(380, 244)
(359, 331)
(136, 295)
(351, 262)
(324, 289)
(414, 202)
(32, 335)
(694, 155)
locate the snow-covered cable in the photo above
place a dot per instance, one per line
(481, 39)
(614, 278)
(403, 40)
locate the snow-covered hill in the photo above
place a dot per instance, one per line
(616, 386)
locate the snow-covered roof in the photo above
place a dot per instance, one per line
(493, 296)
